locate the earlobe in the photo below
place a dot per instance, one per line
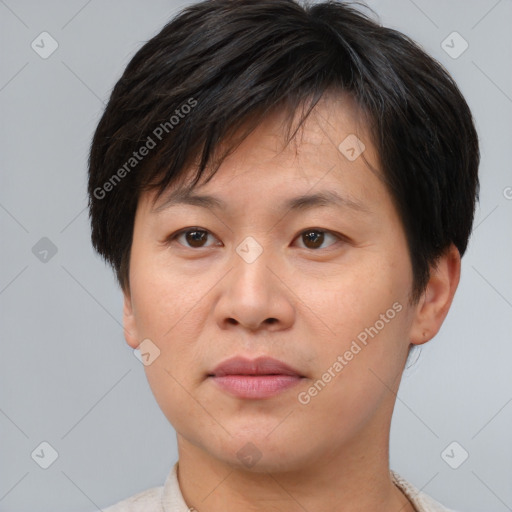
(436, 300)
(129, 324)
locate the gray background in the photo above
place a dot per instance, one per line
(66, 375)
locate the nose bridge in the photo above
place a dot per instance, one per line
(250, 249)
(250, 261)
(252, 296)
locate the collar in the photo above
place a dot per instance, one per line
(173, 501)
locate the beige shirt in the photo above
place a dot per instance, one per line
(168, 498)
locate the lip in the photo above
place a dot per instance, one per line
(259, 378)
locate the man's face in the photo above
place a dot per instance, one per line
(323, 288)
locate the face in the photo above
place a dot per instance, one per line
(321, 285)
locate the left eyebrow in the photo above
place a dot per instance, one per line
(323, 198)
(300, 203)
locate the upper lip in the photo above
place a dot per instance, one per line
(259, 366)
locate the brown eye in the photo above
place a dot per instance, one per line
(193, 238)
(196, 238)
(314, 238)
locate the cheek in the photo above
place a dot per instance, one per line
(351, 298)
(358, 370)
(164, 300)
(365, 318)
(167, 308)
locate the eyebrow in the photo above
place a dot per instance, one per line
(299, 203)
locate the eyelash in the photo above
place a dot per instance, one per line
(171, 238)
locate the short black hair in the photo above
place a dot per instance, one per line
(222, 65)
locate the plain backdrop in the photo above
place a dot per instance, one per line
(67, 377)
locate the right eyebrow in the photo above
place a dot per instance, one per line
(303, 202)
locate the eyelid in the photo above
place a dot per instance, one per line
(340, 237)
(172, 237)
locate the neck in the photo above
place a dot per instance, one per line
(352, 479)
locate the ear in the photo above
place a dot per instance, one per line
(129, 323)
(436, 300)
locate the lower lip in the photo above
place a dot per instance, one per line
(260, 386)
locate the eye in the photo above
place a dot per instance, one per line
(314, 238)
(196, 238)
(192, 238)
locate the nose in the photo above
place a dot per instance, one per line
(255, 295)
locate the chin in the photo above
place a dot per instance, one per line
(257, 452)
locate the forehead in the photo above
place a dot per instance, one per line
(335, 117)
(332, 145)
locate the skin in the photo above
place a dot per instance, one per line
(202, 304)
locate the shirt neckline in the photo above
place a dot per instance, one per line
(173, 501)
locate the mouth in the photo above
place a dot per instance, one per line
(259, 378)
